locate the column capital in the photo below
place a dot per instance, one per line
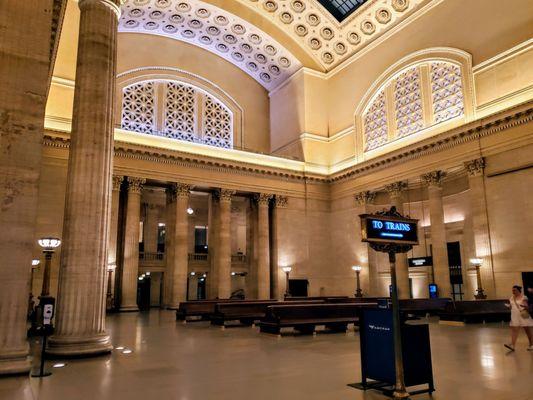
(135, 185)
(263, 199)
(181, 189)
(434, 178)
(475, 167)
(117, 181)
(395, 189)
(365, 197)
(224, 195)
(113, 5)
(281, 201)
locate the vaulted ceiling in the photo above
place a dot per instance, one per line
(271, 39)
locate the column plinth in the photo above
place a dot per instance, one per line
(180, 261)
(80, 318)
(263, 253)
(130, 267)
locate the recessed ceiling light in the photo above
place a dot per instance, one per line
(127, 351)
(119, 348)
(58, 365)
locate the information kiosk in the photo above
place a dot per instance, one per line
(393, 353)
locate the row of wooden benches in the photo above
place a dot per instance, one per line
(335, 313)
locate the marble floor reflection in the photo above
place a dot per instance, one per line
(170, 360)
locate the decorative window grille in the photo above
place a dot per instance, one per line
(138, 107)
(188, 113)
(447, 91)
(408, 103)
(180, 112)
(376, 123)
(437, 84)
(217, 124)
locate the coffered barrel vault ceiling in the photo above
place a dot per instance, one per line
(216, 30)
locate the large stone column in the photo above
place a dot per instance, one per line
(439, 245)
(480, 223)
(223, 251)
(180, 261)
(263, 250)
(395, 191)
(277, 277)
(212, 280)
(130, 268)
(170, 217)
(80, 316)
(113, 233)
(24, 67)
(367, 258)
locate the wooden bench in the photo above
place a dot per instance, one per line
(247, 312)
(324, 298)
(476, 311)
(423, 307)
(201, 310)
(305, 317)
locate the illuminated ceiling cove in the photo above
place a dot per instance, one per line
(216, 30)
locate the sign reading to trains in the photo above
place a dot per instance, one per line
(388, 229)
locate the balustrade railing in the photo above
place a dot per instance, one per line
(238, 258)
(146, 256)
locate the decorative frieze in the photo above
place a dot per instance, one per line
(364, 198)
(262, 199)
(135, 185)
(395, 189)
(117, 182)
(434, 178)
(475, 167)
(281, 201)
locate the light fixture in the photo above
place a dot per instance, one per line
(357, 268)
(35, 262)
(141, 278)
(58, 365)
(476, 261)
(127, 351)
(287, 269)
(190, 211)
(161, 224)
(193, 273)
(204, 275)
(233, 274)
(147, 273)
(49, 243)
(119, 348)
(202, 279)
(111, 267)
(358, 291)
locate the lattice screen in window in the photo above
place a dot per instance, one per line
(138, 108)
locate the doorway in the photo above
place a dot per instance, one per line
(456, 270)
(527, 282)
(143, 293)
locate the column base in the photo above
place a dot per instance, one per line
(79, 346)
(128, 308)
(15, 366)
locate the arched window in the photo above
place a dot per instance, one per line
(176, 110)
(411, 98)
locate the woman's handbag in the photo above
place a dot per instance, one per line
(524, 312)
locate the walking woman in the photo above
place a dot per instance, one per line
(520, 318)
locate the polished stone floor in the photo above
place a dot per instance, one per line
(170, 360)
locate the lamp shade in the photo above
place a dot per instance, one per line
(286, 269)
(476, 261)
(49, 243)
(357, 268)
(35, 262)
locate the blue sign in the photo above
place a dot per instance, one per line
(376, 228)
(433, 291)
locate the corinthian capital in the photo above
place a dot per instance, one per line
(182, 189)
(281, 201)
(434, 178)
(117, 181)
(262, 199)
(135, 185)
(475, 167)
(395, 189)
(224, 195)
(364, 198)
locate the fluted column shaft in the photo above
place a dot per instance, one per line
(402, 266)
(180, 261)
(279, 220)
(438, 233)
(480, 223)
(24, 67)
(263, 251)
(81, 301)
(130, 267)
(170, 220)
(223, 258)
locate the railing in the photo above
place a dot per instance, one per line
(238, 258)
(198, 257)
(151, 256)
